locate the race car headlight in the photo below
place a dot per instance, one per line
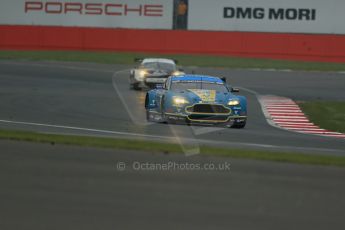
(180, 101)
(142, 73)
(234, 102)
(176, 73)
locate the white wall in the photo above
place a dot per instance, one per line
(325, 16)
(241, 15)
(154, 14)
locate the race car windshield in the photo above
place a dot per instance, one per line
(160, 65)
(184, 85)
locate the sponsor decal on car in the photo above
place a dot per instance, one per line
(156, 80)
(205, 95)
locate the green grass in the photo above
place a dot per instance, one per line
(156, 147)
(184, 60)
(326, 114)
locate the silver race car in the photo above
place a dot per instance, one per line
(152, 71)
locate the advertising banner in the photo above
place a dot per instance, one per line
(292, 16)
(143, 14)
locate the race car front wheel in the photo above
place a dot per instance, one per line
(135, 86)
(148, 116)
(239, 124)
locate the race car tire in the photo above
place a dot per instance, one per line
(169, 121)
(239, 125)
(162, 109)
(135, 86)
(148, 116)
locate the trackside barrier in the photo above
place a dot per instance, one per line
(307, 47)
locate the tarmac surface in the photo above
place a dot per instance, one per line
(48, 186)
(93, 96)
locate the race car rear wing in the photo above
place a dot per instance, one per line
(137, 60)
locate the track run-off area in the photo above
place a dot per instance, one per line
(285, 113)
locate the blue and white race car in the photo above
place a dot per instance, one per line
(196, 99)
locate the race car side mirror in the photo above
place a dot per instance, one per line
(223, 79)
(235, 90)
(138, 60)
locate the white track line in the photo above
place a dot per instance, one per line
(151, 137)
(82, 129)
(286, 114)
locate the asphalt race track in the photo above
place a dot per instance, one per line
(88, 96)
(49, 186)
(62, 187)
